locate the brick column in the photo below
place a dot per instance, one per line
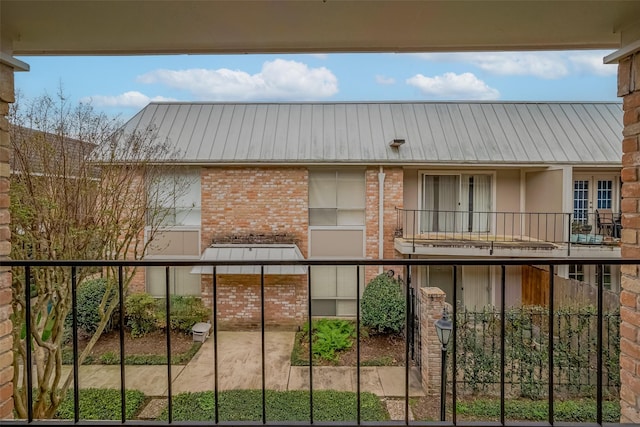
(629, 89)
(6, 342)
(431, 305)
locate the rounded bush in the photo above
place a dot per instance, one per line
(383, 305)
(141, 314)
(89, 297)
(186, 311)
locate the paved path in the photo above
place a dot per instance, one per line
(240, 365)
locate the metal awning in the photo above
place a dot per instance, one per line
(251, 252)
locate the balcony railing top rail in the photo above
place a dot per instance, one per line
(552, 229)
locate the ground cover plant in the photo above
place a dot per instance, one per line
(582, 410)
(101, 404)
(246, 405)
(488, 409)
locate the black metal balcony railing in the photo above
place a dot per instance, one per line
(501, 322)
(590, 228)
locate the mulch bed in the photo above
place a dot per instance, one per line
(153, 343)
(375, 350)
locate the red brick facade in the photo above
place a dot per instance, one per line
(629, 88)
(250, 200)
(285, 300)
(393, 197)
(6, 342)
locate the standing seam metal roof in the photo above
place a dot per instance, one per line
(360, 132)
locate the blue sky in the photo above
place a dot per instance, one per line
(124, 85)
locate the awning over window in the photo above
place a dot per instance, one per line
(255, 252)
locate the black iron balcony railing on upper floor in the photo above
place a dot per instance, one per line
(548, 336)
(517, 229)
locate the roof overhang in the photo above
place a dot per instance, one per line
(104, 27)
(252, 252)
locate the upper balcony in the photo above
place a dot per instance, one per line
(531, 234)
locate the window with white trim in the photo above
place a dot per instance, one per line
(175, 198)
(336, 197)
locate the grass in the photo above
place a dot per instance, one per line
(101, 404)
(246, 405)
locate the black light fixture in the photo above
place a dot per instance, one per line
(396, 143)
(444, 329)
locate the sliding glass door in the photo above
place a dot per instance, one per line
(456, 203)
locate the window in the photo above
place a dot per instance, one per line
(605, 194)
(580, 200)
(174, 199)
(576, 272)
(333, 290)
(336, 197)
(606, 276)
(181, 281)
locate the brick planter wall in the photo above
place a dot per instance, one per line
(629, 88)
(432, 302)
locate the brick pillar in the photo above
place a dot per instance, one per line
(6, 342)
(629, 89)
(431, 305)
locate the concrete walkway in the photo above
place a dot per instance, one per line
(240, 365)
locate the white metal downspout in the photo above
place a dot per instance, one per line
(381, 176)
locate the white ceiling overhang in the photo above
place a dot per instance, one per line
(251, 252)
(70, 27)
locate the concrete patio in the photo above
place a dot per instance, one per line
(240, 366)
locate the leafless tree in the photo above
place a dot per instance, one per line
(81, 189)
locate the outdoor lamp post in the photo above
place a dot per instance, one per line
(444, 327)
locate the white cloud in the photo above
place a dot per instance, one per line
(545, 65)
(591, 63)
(278, 79)
(131, 99)
(320, 55)
(384, 80)
(454, 86)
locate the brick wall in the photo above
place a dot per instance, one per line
(285, 300)
(244, 200)
(393, 197)
(255, 200)
(6, 342)
(629, 88)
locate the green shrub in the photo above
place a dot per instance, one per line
(101, 404)
(141, 314)
(186, 311)
(383, 305)
(89, 297)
